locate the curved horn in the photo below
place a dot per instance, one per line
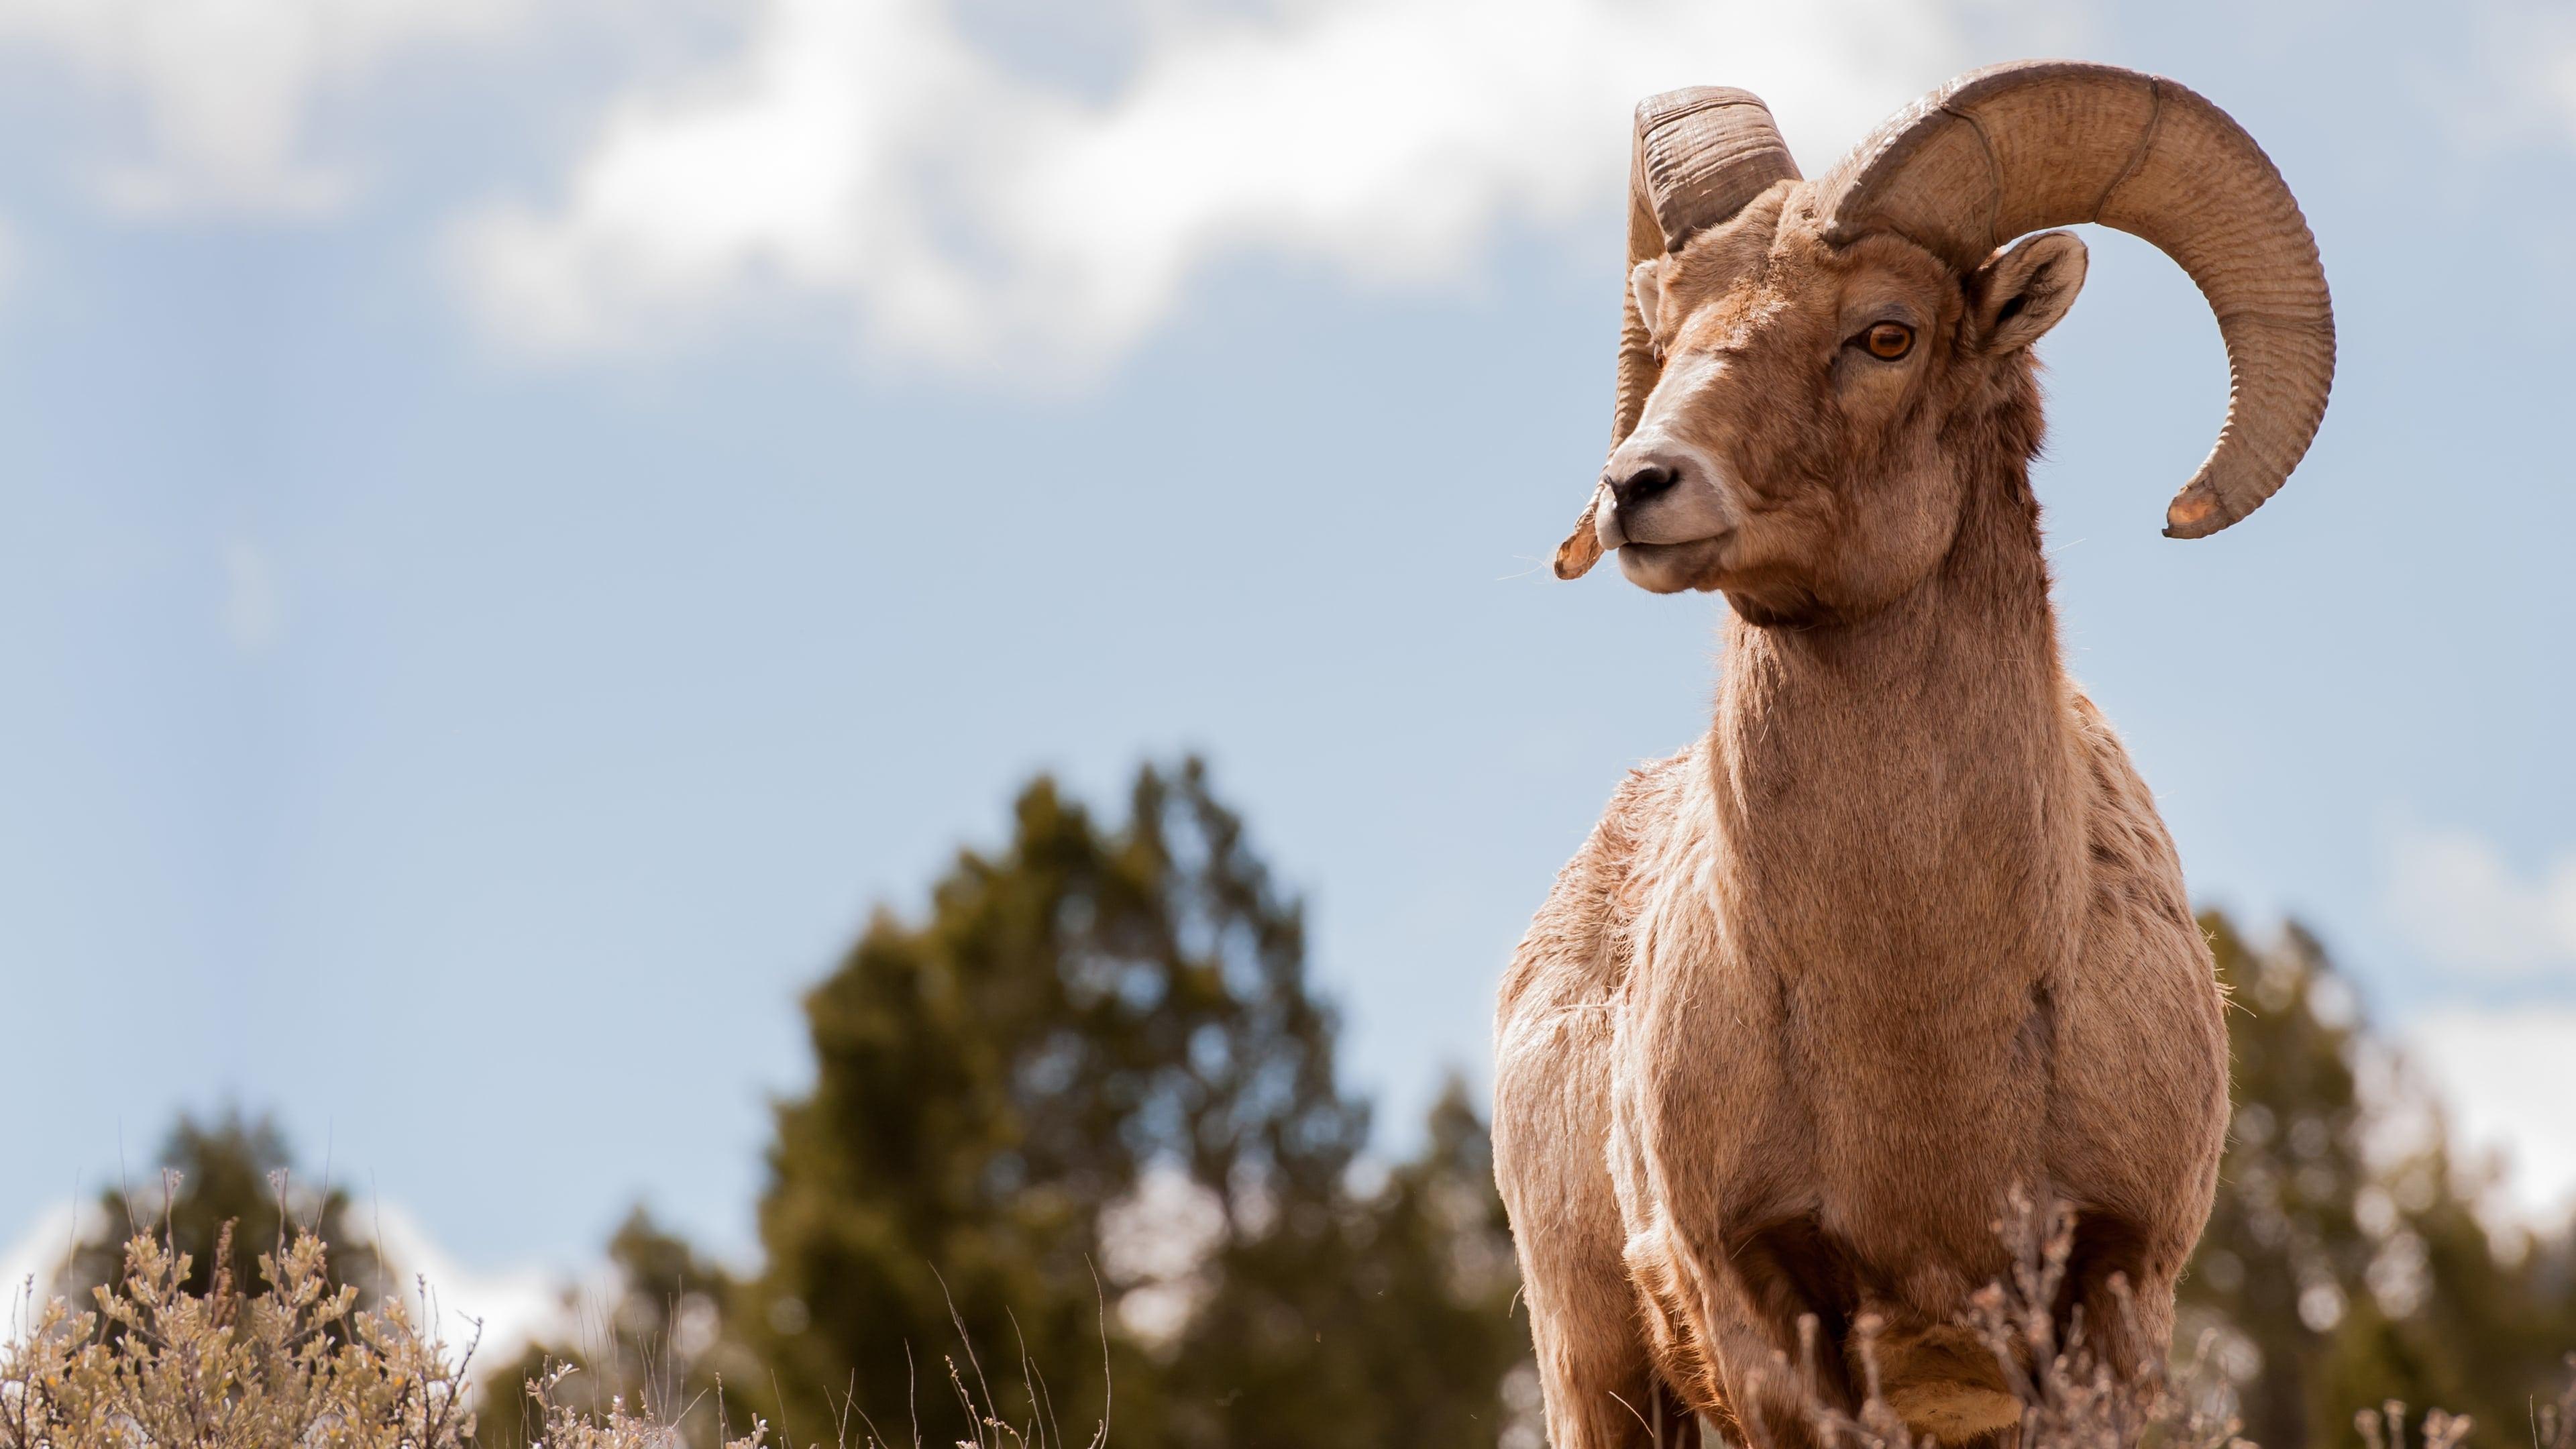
(2033, 144)
(1701, 153)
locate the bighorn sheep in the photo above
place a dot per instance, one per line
(1902, 934)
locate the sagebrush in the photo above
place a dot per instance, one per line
(297, 1364)
(294, 1365)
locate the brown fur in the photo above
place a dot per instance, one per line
(1901, 934)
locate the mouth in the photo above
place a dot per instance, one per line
(1670, 568)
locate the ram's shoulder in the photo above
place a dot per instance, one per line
(2136, 870)
(1576, 944)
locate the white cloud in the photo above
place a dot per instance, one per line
(2520, 84)
(224, 90)
(870, 154)
(511, 1309)
(28, 1266)
(2464, 906)
(2509, 1078)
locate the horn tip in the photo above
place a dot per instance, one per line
(2195, 513)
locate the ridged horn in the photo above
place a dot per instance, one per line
(2020, 147)
(1701, 153)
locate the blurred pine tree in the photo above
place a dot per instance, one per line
(2344, 1263)
(1385, 1323)
(1087, 1111)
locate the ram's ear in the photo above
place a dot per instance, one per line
(1646, 285)
(2022, 292)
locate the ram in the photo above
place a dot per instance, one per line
(1902, 936)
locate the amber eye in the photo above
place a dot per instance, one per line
(1889, 341)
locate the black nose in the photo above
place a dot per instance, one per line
(1643, 484)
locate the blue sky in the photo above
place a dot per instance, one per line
(525, 521)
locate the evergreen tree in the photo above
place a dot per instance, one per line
(2283, 1255)
(1386, 1324)
(1104, 1025)
(2336, 1281)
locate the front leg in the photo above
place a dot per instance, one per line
(1551, 1120)
(1701, 1147)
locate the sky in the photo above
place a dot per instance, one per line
(522, 522)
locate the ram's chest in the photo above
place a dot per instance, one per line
(1777, 1065)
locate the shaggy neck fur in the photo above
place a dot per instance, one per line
(1903, 813)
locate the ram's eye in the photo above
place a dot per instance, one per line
(1888, 341)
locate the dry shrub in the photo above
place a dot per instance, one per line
(2553, 1426)
(294, 1366)
(2385, 1428)
(299, 1366)
(616, 1427)
(2071, 1398)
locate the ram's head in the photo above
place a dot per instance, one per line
(1808, 369)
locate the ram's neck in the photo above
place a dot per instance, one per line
(1899, 797)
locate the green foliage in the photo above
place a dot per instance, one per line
(1083, 1121)
(1384, 1322)
(2336, 1278)
(223, 1194)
